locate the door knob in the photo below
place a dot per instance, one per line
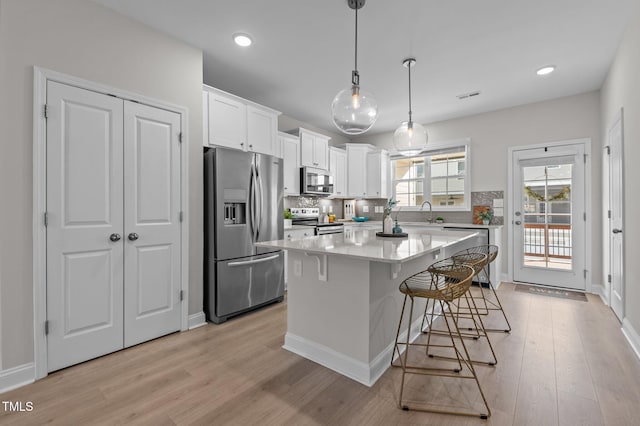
(114, 237)
(617, 231)
(517, 213)
(133, 236)
(517, 222)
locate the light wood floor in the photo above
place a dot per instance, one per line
(565, 363)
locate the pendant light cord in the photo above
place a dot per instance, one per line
(355, 76)
(409, 66)
(356, 61)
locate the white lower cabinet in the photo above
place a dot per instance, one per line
(294, 234)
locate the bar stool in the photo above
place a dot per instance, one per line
(464, 309)
(448, 284)
(488, 304)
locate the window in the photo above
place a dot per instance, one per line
(439, 175)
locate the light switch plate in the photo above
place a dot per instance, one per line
(498, 211)
(330, 209)
(365, 209)
(498, 202)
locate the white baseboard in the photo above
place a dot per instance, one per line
(599, 290)
(197, 320)
(503, 277)
(632, 336)
(16, 377)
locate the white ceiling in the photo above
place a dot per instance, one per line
(303, 51)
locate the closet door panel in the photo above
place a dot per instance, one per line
(85, 222)
(152, 225)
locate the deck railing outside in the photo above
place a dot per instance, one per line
(548, 241)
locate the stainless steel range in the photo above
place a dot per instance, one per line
(310, 216)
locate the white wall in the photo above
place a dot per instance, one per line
(79, 38)
(492, 133)
(621, 89)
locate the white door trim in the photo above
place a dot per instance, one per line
(40, 78)
(587, 201)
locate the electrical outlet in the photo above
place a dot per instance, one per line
(330, 209)
(378, 209)
(297, 268)
(324, 209)
(365, 209)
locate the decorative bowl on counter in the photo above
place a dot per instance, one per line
(360, 218)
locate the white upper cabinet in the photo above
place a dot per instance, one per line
(262, 130)
(368, 171)
(378, 174)
(338, 168)
(227, 122)
(357, 169)
(237, 123)
(290, 153)
(314, 149)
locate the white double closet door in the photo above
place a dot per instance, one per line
(113, 232)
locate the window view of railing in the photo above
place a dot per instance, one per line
(547, 217)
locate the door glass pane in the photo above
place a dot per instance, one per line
(546, 209)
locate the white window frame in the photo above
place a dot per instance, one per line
(432, 149)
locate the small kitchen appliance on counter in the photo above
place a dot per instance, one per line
(310, 216)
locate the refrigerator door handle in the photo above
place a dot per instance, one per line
(252, 262)
(253, 195)
(260, 202)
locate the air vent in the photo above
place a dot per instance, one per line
(468, 95)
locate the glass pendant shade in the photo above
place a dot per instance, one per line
(410, 140)
(411, 137)
(354, 111)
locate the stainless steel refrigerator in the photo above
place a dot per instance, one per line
(243, 204)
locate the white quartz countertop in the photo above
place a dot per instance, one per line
(371, 223)
(364, 244)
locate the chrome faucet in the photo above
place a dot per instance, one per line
(430, 220)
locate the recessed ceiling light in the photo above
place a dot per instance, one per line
(242, 39)
(546, 70)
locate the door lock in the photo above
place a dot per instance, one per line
(517, 222)
(114, 237)
(133, 236)
(617, 231)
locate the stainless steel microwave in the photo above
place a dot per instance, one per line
(316, 182)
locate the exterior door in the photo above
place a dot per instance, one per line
(85, 223)
(616, 223)
(549, 216)
(152, 223)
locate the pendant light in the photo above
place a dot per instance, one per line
(353, 110)
(410, 138)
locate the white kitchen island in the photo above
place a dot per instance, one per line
(343, 302)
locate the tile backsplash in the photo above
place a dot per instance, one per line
(494, 199)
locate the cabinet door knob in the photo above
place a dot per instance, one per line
(114, 237)
(241, 143)
(133, 236)
(250, 146)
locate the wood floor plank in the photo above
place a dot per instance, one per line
(566, 362)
